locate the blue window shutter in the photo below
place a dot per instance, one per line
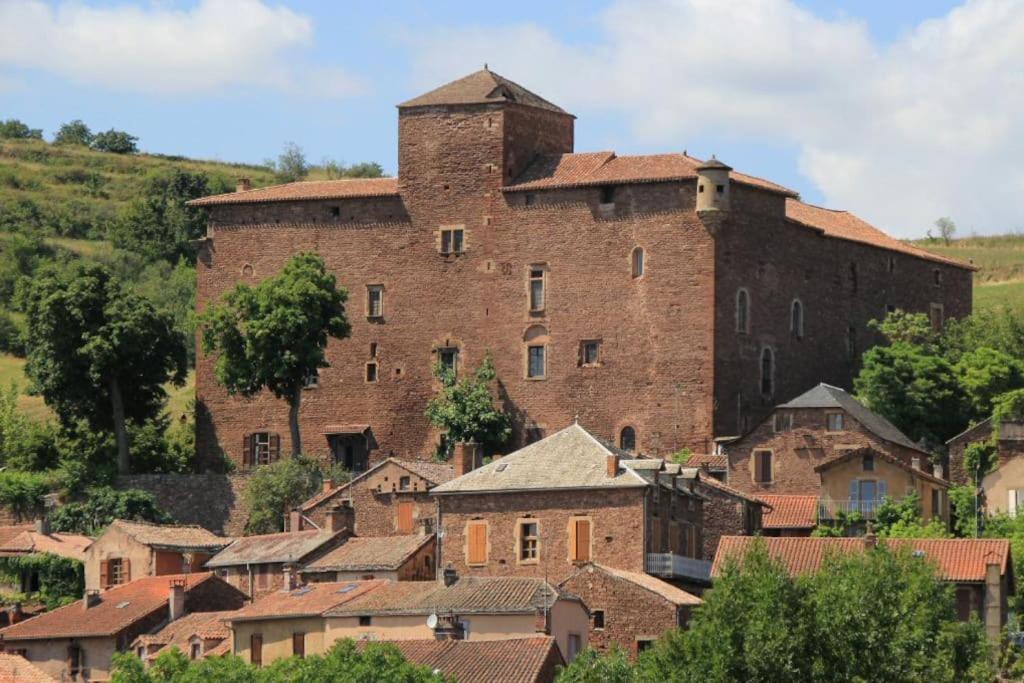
(853, 489)
(883, 487)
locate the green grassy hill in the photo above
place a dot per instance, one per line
(1000, 258)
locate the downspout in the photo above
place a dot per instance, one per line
(439, 536)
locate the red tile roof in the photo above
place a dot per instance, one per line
(844, 225)
(9, 532)
(179, 537)
(309, 600)
(708, 461)
(481, 87)
(958, 559)
(17, 669)
(31, 541)
(790, 512)
(605, 168)
(287, 546)
(881, 455)
(380, 553)
(116, 609)
(515, 660)
(178, 633)
(346, 188)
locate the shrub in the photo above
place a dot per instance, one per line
(17, 130)
(61, 579)
(116, 142)
(102, 505)
(74, 133)
(276, 488)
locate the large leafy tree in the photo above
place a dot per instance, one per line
(273, 336)
(98, 352)
(464, 408)
(985, 374)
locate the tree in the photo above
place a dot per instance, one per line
(74, 133)
(464, 409)
(115, 141)
(902, 519)
(947, 228)
(984, 374)
(591, 667)
(14, 129)
(365, 169)
(291, 164)
(159, 224)
(273, 336)
(908, 328)
(275, 489)
(101, 506)
(914, 388)
(98, 352)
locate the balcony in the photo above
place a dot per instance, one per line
(672, 566)
(829, 510)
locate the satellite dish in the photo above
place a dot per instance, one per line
(432, 621)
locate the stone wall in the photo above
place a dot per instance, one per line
(213, 501)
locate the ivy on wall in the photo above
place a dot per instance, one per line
(61, 579)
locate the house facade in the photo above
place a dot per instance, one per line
(498, 238)
(1002, 489)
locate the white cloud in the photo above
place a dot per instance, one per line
(929, 125)
(159, 50)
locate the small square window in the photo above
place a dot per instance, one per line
(720, 189)
(335, 211)
(312, 380)
(452, 241)
(598, 616)
(404, 483)
(530, 199)
(608, 194)
(449, 358)
(834, 422)
(365, 621)
(783, 422)
(375, 301)
(869, 463)
(371, 372)
(590, 353)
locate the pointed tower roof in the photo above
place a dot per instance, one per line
(482, 87)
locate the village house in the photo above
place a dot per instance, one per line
(790, 515)
(726, 511)
(493, 238)
(980, 569)
(516, 660)
(39, 540)
(1002, 489)
(76, 642)
(628, 610)
(196, 635)
(131, 550)
(391, 498)
(396, 558)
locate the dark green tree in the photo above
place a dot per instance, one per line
(74, 133)
(98, 352)
(273, 336)
(115, 142)
(464, 408)
(291, 164)
(17, 130)
(591, 667)
(984, 374)
(101, 506)
(276, 488)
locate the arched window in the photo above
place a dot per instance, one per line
(627, 439)
(767, 372)
(638, 262)
(536, 339)
(796, 319)
(742, 311)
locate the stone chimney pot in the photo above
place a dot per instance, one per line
(243, 185)
(91, 598)
(612, 464)
(466, 457)
(176, 600)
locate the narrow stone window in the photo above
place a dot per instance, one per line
(638, 262)
(892, 264)
(529, 542)
(767, 372)
(536, 289)
(868, 463)
(371, 371)
(607, 194)
(937, 274)
(627, 439)
(937, 317)
(373, 349)
(452, 240)
(590, 353)
(535, 368)
(742, 311)
(762, 466)
(598, 616)
(375, 301)
(796, 319)
(448, 357)
(854, 280)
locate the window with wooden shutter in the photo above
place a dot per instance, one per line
(275, 446)
(476, 538)
(126, 570)
(256, 649)
(247, 450)
(105, 574)
(405, 518)
(762, 466)
(299, 644)
(580, 540)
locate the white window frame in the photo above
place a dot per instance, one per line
(372, 290)
(537, 275)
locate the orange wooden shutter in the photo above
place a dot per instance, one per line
(105, 574)
(126, 570)
(477, 543)
(275, 446)
(583, 540)
(405, 518)
(247, 450)
(256, 649)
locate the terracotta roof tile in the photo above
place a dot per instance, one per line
(309, 600)
(288, 546)
(469, 595)
(115, 610)
(172, 536)
(481, 87)
(514, 660)
(845, 225)
(790, 512)
(224, 648)
(881, 455)
(676, 596)
(384, 553)
(606, 168)
(9, 532)
(17, 669)
(958, 559)
(708, 461)
(31, 541)
(344, 188)
(178, 633)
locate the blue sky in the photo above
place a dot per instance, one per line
(825, 97)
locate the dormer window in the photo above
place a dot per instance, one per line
(834, 422)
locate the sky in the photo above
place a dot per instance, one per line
(900, 111)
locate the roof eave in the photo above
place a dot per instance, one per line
(638, 485)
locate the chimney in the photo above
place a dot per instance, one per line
(295, 520)
(612, 463)
(176, 600)
(14, 613)
(328, 485)
(243, 185)
(341, 516)
(993, 599)
(937, 470)
(448, 627)
(43, 524)
(91, 599)
(541, 622)
(466, 457)
(291, 577)
(450, 576)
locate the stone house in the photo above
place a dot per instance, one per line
(76, 642)
(196, 635)
(40, 541)
(396, 558)
(981, 570)
(780, 455)
(391, 498)
(627, 609)
(566, 500)
(726, 511)
(491, 239)
(1002, 490)
(130, 550)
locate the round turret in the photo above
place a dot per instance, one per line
(713, 186)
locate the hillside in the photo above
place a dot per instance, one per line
(1000, 280)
